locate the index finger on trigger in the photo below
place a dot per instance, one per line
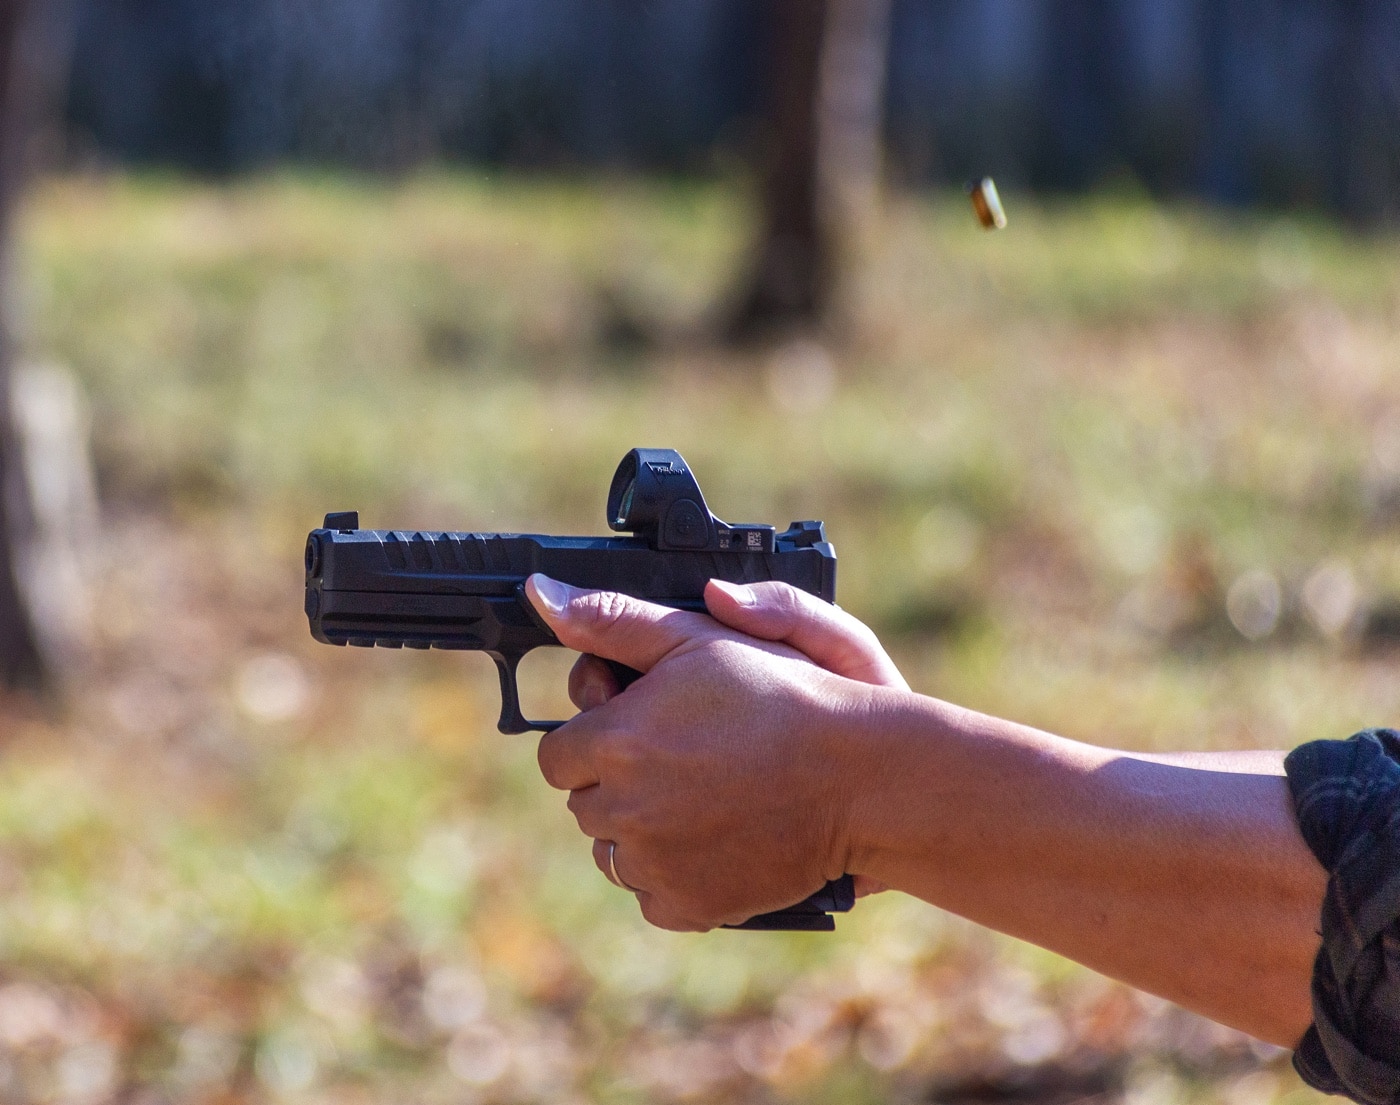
(591, 682)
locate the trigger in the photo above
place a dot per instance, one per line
(513, 719)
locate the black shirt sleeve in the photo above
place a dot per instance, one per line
(1347, 798)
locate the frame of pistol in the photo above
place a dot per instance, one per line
(466, 591)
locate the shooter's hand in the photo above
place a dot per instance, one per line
(774, 611)
(722, 777)
(825, 634)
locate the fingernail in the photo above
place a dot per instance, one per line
(741, 594)
(593, 696)
(553, 595)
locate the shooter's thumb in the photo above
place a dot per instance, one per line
(826, 634)
(612, 625)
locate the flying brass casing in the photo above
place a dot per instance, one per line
(987, 204)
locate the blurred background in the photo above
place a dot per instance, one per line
(1128, 470)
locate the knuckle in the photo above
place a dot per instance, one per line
(631, 823)
(658, 914)
(547, 756)
(578, 678)
(651, 910)
(784, 602)
(855, 630)
(590, 683)
(694, 906)
(605, 610)
(622, 754)
(590, 820)
(790, 598)
(865, 637)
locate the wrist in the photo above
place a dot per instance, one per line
(873, 752)
(917, 766)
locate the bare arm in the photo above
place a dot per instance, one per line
(737, 775)
(1186, 877)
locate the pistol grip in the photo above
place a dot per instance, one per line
(809, 915)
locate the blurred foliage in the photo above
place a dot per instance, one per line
(1128, 473)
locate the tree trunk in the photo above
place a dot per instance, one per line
(851, 116)
(823, 123)
(24, 49)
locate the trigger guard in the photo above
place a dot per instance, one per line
(513, 719)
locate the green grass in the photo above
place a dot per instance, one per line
(1044, 456)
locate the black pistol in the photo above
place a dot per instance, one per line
(428, 589)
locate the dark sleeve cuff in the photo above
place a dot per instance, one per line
(1347, 798)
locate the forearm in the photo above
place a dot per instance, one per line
(735, 775)
(1182, 875)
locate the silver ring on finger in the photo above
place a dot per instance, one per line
(613, 876)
